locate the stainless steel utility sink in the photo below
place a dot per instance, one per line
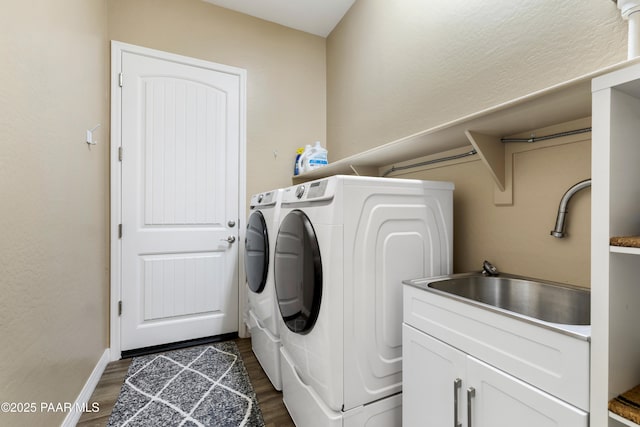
(546, 301)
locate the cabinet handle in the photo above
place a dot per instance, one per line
(457, 384)
(471, 393)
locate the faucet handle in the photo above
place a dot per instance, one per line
(489, 269)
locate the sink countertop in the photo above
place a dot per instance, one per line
(582, 332)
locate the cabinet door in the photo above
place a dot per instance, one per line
(504, 401)
(430, 369)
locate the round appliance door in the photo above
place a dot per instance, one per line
(256, 254)
(298, 272)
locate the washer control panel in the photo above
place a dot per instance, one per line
(310, 191)
(263, 199)
(317, 189)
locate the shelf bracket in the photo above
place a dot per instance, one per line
(491, 151)
(492, 154)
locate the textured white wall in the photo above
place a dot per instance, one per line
(399, 67)
(54, 206)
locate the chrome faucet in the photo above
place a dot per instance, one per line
(489, 269)
(558, 231)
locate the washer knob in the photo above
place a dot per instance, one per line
(300, 191)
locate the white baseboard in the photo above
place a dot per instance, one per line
(85, 394)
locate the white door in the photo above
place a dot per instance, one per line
(180, 132)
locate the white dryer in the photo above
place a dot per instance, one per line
(262, 314)
(343, 248)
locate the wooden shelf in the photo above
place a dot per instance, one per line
(622, 420)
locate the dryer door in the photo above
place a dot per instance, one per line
(298, 272)
(256, 255)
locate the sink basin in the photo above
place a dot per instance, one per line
(546, 301)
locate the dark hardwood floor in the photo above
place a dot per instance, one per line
(106, 393)
(274, 412)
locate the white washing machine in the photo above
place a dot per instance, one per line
(262, 314)
(343, 248)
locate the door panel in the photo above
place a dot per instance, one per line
(430, 368)
(184, 148)
(504, 401)
(180, 174)
(178, 285)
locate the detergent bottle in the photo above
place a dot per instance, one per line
(302, 160)
(296, 167)
(317, 157)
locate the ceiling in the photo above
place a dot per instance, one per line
(317, 17)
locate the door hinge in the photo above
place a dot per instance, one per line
(120, 79)
(120, 231)
(119, 308)
(120, 153)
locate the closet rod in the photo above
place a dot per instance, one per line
(429, 162)
(544, 138)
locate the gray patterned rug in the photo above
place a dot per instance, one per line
(198, 386)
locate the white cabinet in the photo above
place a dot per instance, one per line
(443, 386)
(430, 369)
(502, 400)
(615, 291)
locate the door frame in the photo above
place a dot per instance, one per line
(117, 49)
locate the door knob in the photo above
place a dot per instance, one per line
(230, 239)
